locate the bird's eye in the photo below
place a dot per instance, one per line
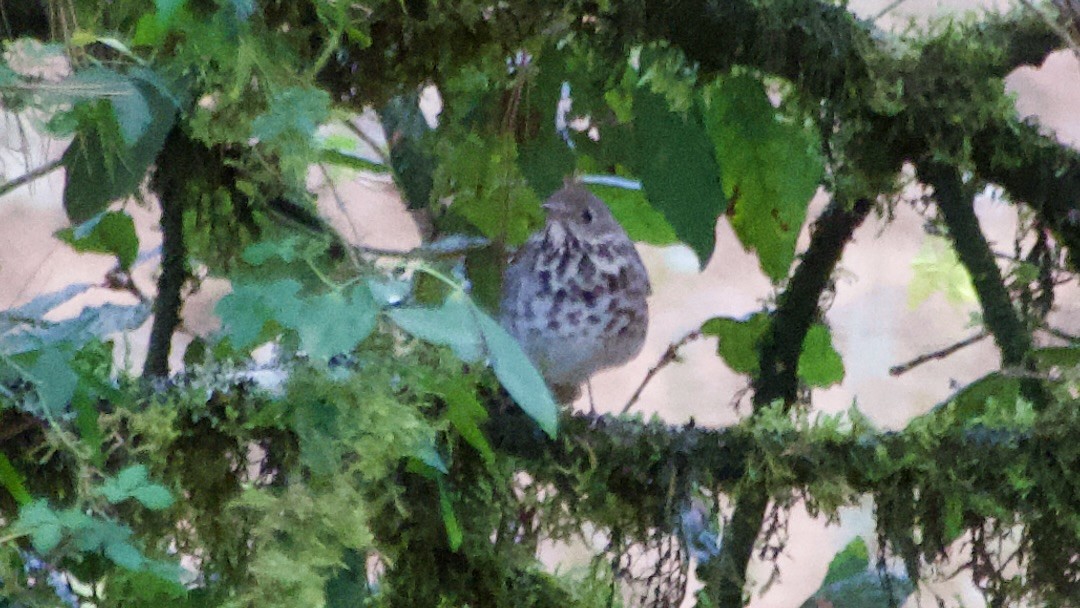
(586, 216)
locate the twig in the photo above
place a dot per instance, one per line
(670, 355)
(1057, 333)
(31, 176)
(904, 368)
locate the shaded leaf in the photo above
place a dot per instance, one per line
(330, 323)
(410, 153)
(678, 170)
(132, 482)
(454, 535)
(937, 268)
(466, 413)
(112, 150)
(246, 311)
(42, 524)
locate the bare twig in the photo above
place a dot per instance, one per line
(31, 176)
(670, 355)
(903, 368)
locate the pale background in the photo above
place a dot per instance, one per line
(873, 325)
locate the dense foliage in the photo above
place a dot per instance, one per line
(401, 450)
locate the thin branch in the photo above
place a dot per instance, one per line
(904, 368)
(31, 176)
(670, 355)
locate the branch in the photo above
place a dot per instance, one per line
(797, 308)
(31, 176)
(169, 183)
(903, 368)
(669, 356)
(1001, 319)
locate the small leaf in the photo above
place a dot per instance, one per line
(850, 584)
(937, 268)
(42, 524)
(738, 340)
(293, 112)
(86, 421)
(330, 324)
(13, 481)
(132, 482)
(54, 379)
(125, 555)
(249, 307)
(110, 232)
(454, 534)
(852, 560)
(466, 413)
(517, 374)
(819, 363)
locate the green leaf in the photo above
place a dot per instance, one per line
(350, 161)
(487, 188)
(410, 151)
(245, 312)
(295, 111)
(124, 554)
(517, 373)
(852, 560)
(850, 584)
(54, 379)
(86, 421)
(937, 268)
(678, 170)
(109, 232)
(971, 401)
(771, 168)
(42, 524)
(640, 220)
(331, 323)
(454, 533)
(450, 325)
(132, 482)
(465, 413)
(738, 340)
(13, 481)
(116, 142)
(166, 10)
(819, 363)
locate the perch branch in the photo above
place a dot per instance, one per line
(903, 368)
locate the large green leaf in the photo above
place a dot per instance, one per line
(133, 482)
(407, 132)
(449, 325)
(678, 170)
(110, 232)
(771, 168)
(471, 332)
(117, 139)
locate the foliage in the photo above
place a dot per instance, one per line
(400, 449)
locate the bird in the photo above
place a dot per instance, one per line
(574, 295)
